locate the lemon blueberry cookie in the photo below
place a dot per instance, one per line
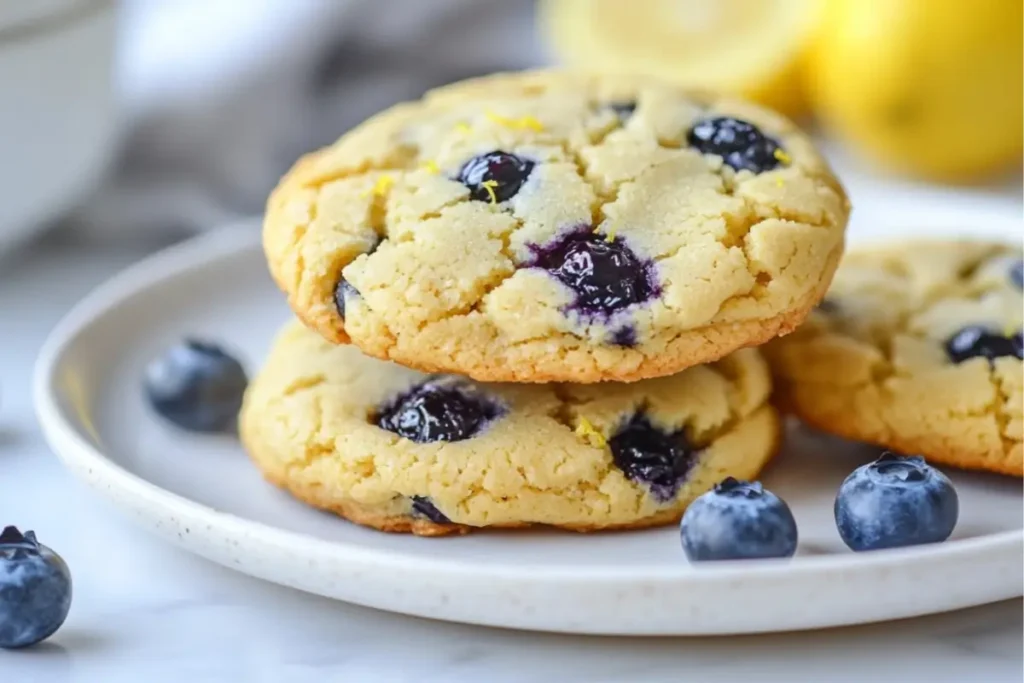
(917, 347)
(552, 226)
(394, 449)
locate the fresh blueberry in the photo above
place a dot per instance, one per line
(423, 507)
(623, 109)
(606, 275)
(35, 590)
(977, 341)
(653, 456)
(895, 502)
(738, 520)
(197, 386)
(495, 176)
(342, 290)
(1017, 273)
(438, 411)
(740, 144)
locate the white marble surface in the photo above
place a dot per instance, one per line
(145, 611)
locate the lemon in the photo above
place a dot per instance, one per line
(928, 87)
(751, 48)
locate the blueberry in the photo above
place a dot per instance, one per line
(197, 386)
(895, 502)
(495, 176)
(342, 290)
(437, 411)
(976, 341)
(623, 109)
(828, 306)
(738, 520)
(1017, 274)
(35, 590)
(604, 274)
(653, 456)
(740, 144)
(423, 507)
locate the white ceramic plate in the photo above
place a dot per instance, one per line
(203, 494)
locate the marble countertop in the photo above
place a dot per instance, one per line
(146, 611)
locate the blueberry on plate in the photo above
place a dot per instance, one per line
(895, 502)
(197, 386)
(738, 520)
(35, 590)
(741, 145)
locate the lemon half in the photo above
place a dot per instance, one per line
(750, 48)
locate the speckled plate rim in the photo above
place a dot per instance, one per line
(549, 597)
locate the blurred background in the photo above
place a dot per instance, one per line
(144, 121)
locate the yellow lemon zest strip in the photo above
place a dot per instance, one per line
(380, 187)
(778, 182)
(610, 237)
(782, 156)
(489, 185)
(522, 123)
(586, 431)
(431, 166)
(463, 127)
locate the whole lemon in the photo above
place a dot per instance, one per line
(928, 87)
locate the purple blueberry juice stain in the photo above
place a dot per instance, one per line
(423, 507)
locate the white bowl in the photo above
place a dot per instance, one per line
(57, 110)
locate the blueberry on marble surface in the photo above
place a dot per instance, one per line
(740, 144)
(604, 274)
(656, 457)
(495, 177)
(978, 341)
(35, 590)
(895, 502)
(438, 411)
(423, 507)
(738, 520)
(197, 386)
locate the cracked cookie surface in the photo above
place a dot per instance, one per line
(550, 226)
(916, 348)
(394, 449)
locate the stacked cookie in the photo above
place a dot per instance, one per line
(587, 260)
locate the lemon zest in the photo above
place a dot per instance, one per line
(610, 237)
(431, 167)
(778, 182)
(380, 188)
(463, 127)
(489, 185)
(522, 123)
(586, 431)
(782, 156)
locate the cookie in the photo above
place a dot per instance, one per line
(553, 226)
(917, 348)
(397, 450)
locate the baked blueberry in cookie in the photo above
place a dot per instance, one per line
(740, 144)
(653, 456)
(422, 507)
(604, 274)
(341, 290)
(625, 337)
(1017, 273)
(437, 411)
(623, 109)
(495, 177)
(977, 341)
